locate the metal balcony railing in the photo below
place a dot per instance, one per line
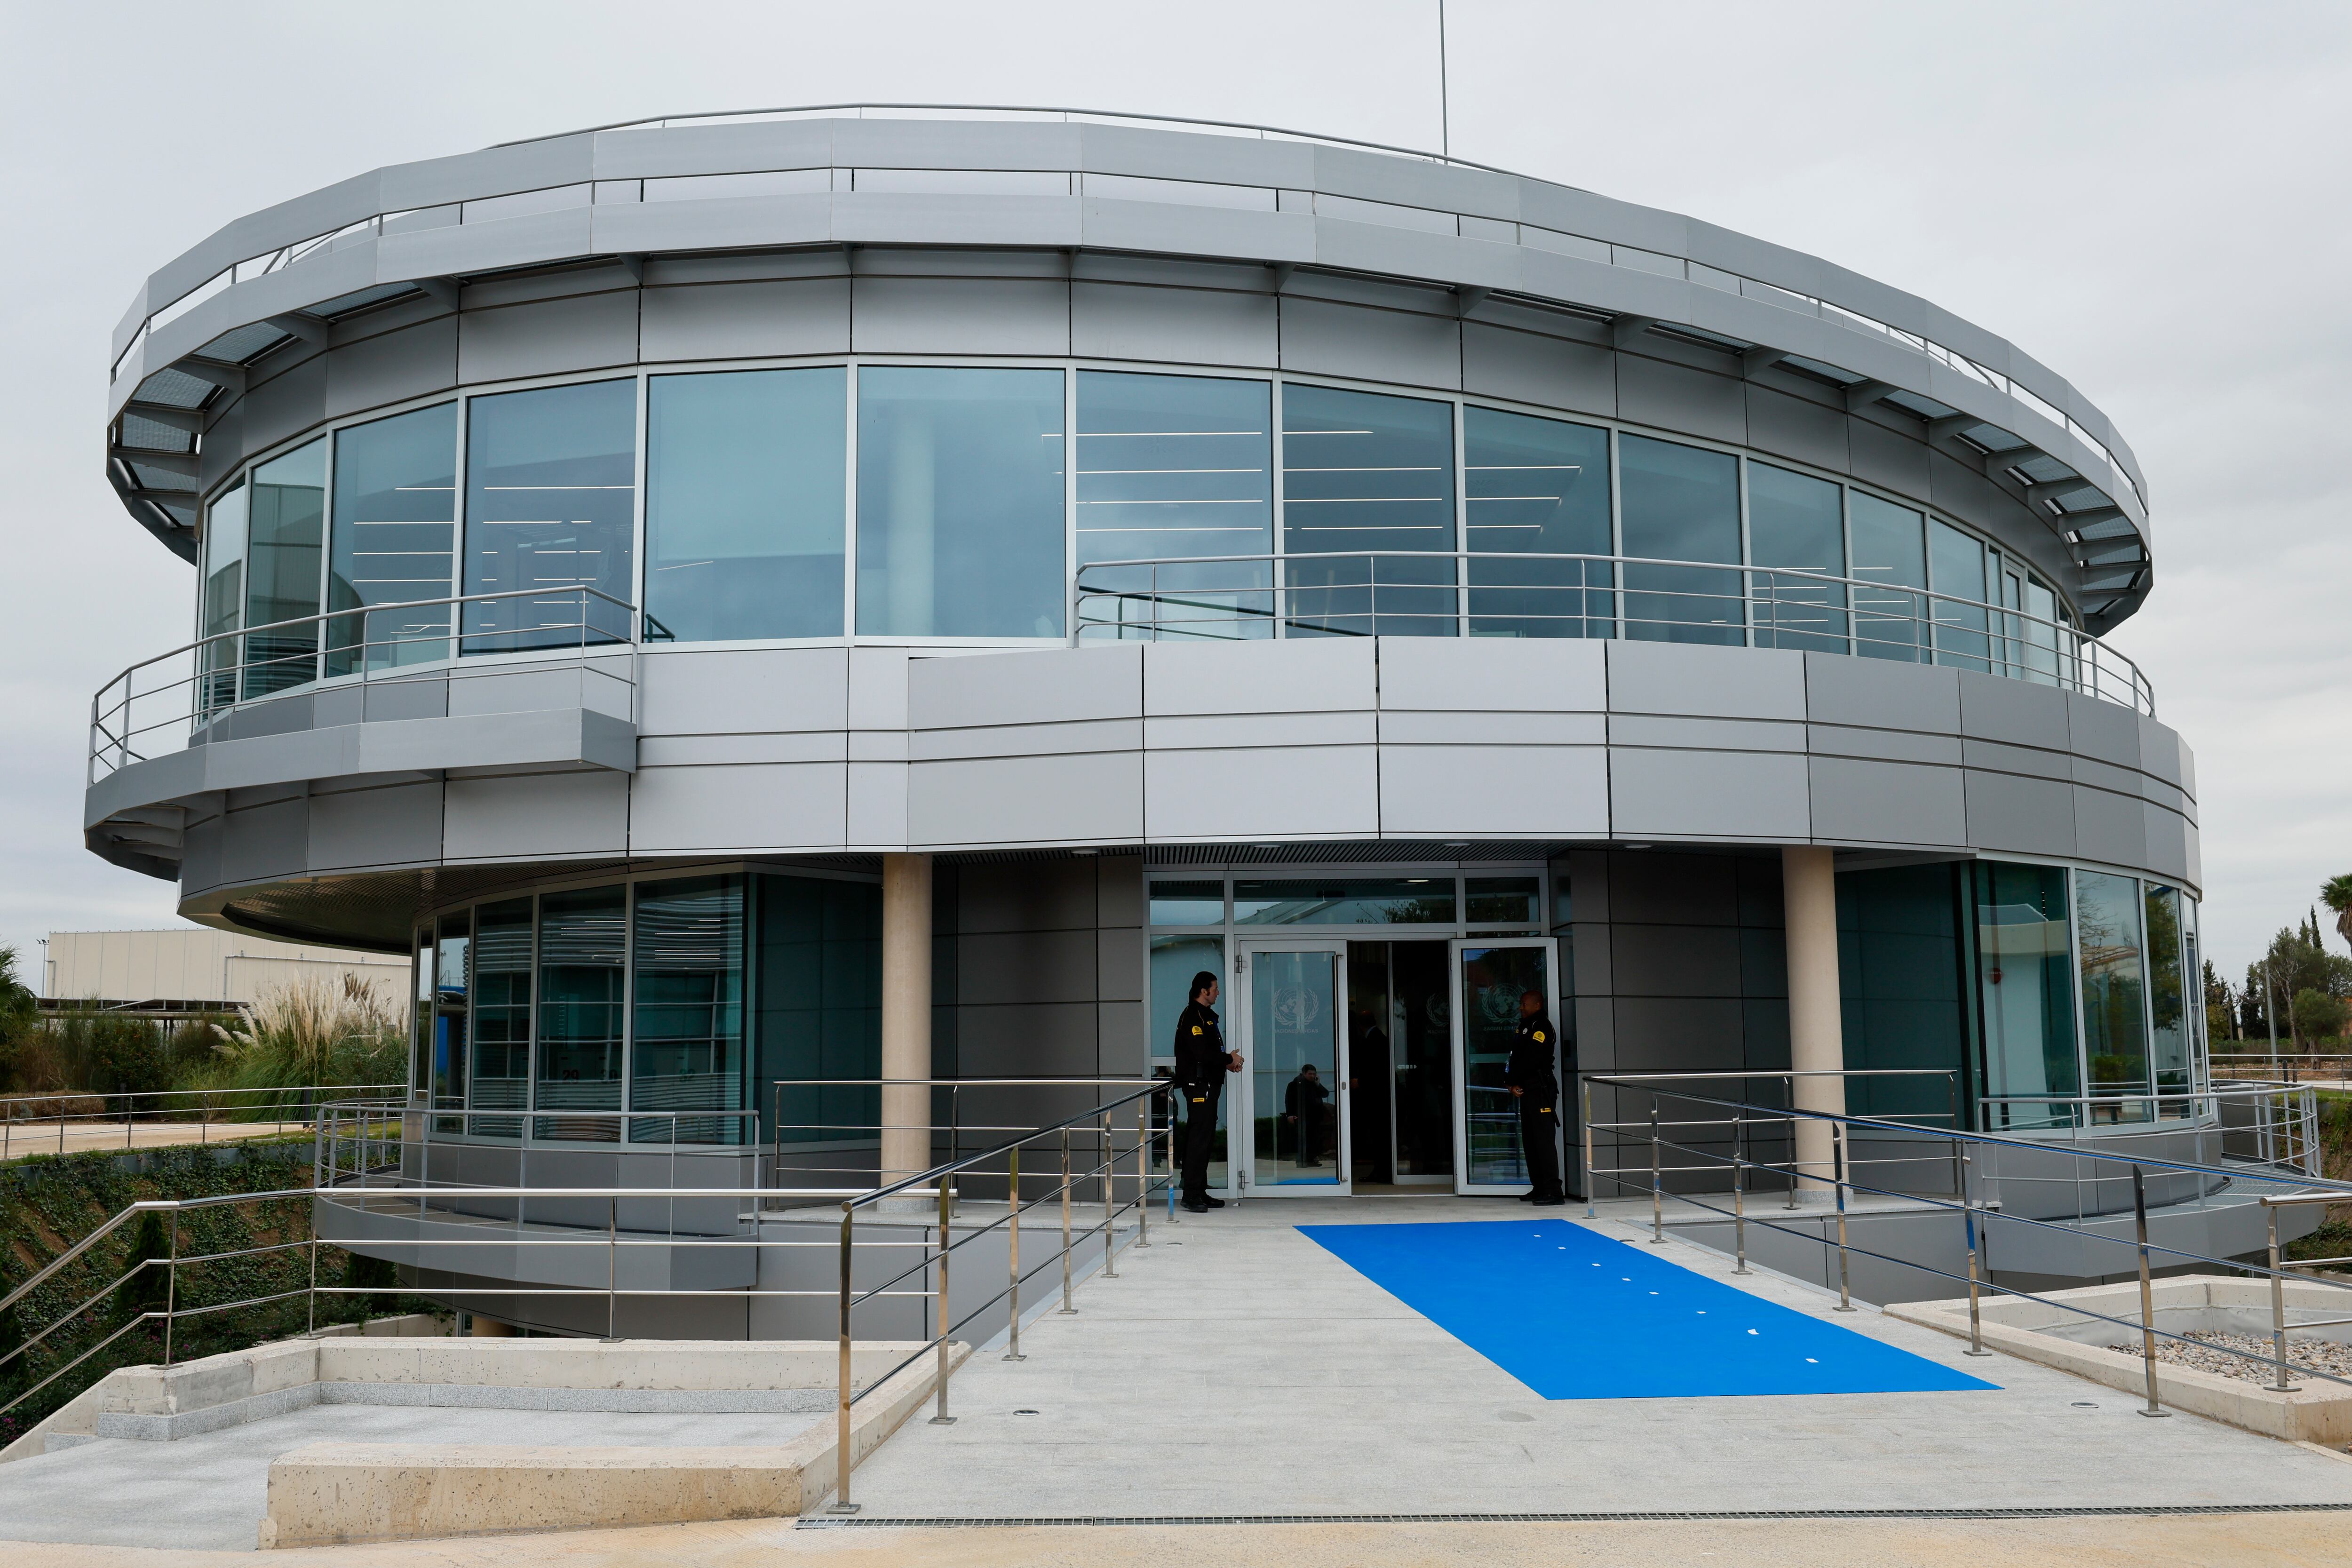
(1637, 598)
(73, 1120)
(157, 705)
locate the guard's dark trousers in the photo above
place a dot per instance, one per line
(1538, 1118)
(1200, 1131)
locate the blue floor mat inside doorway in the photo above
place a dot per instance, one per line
(1574, 1314)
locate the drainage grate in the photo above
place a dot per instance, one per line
(2153, 1510)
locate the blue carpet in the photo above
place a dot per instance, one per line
(1576, 1315)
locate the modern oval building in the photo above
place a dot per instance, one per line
(708, 589)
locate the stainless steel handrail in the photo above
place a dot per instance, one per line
(1841, 614)
(305, 1101)
(117, 733)
(1977, 1215)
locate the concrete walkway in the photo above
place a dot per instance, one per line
(26, 1139)
(1236, 1368)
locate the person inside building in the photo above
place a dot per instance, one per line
(1201, 1062)
(1305, 1102)
(1533, 1080)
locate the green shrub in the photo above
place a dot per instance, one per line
(2317, 1015)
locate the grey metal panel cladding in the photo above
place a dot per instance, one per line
(1045, 1040)
(2171, 844)
(1325, 338)
(537, 815)
(2017, 713)
(1672, 890)
(1027, 967)
(1686, 1033)
(263, 841)
(1508, 676)
(1118, 962)
(1081, 799)
(1881, 693)
(704, 691)
(393, 366)
(1530, 367)
(741, 320)
(1715, 795)
(1677, 397)
(1889, 457)
(1674, 961)
(1798, 427)
(962, 315)
(1520, 790)
(1119, 893)
(1044, 896)
(290, 402)
(2160, 753)
(2034, 817)
(763, 805)
(552, 336)
(1864, 801)
(1705, 682)
(2109, 828)
(1198, 326)
(1316, 676)
(2103, 730)
(1318, 792)
(397, 824)
(1044, 688)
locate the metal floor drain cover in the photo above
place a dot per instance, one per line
(2153, 1510)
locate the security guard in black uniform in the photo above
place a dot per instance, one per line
(1201, 1062)
(1531, 1079)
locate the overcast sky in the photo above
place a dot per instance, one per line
(2150, 198)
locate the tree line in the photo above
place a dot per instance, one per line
(2296, 984)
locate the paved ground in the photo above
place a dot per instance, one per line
(2272, 1540)
(1247, 1371)
(42, 1138)
(210, 1490)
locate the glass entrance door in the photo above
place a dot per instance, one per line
(1489, 978)
(1293, 1093)
(1400, 1063)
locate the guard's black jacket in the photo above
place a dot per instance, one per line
(1200, 1047)
(1530, 1069)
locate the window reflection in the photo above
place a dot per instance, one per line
(1367, 473)
(1798, 523)
(550, 501)
(284, 532)
(1680, 503)
(744, 499)
(451, 971)
(1172, 467)
(687, 1053)
(1408, 901)
(224, 596)
(1889, 549)
(583, 951)
(2115, 977)
(502, 1015)
(960, 503)
(2170, 984)
(395, 529)
(1537, 488)
(2025, 994)
(1958, 562)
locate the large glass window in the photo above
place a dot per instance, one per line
(744, 504)
(820, 1007)
(501, 1013)
(2115, 982)
(583, 978)
(959, 502)
(1796, 523)
(451, 973)
(223, 595)
(1899, 987)
(395, 524)
(1188, 903)
(1889, 554)
(286, 531)
(2171, 985)
(1537, 488)
(551, 503)
(686, 1049)
(1957, 562)
(1362, 475)
(1400, 900)
(420, 1021)
(1172, 467)
(1680, 503)
(2025, 997)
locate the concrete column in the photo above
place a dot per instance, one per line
(906, 1014)
(1816, 1020)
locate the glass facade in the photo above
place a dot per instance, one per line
(1363, 474)
(662, 1011)
(744, 493)
(393, 539)
(1899, 988)
(895, 500)
(2114, 989)
(959, 502)
(1537, 488)
(551, 503)
(1406, 900)
(2025, 995)
(1680, 503)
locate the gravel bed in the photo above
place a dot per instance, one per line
(2322, 1355)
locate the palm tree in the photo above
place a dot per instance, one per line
(2336, 894)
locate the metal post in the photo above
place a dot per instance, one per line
(1657, 1194)
(2278, 1310)
(1143, 1171)
(1012, 1248)
(172, 1289)
(1739, 1193)
(842, 1457)
(1968, 1215)
(1067, 1311)
(1589, 1188)
(612, 1264)
(2147, 1293)
(939, 1416)
(314, 1268)
(1837, 1172)
(1110, 1203)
